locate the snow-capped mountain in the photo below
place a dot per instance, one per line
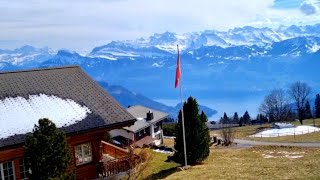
(167, 41)
(24, 56)
(242, 63)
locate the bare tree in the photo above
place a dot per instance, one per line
(227, 134)
(137, 166)
(275, 106)
(299, 92)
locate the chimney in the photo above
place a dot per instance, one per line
(149, 115)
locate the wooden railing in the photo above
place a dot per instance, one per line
(124, 161)
(113, 150)
(116, 166)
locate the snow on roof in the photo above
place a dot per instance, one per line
(19, 115)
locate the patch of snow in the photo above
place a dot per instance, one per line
(314, 48)
(20, 59)
(190, 52)
(283, 154)
(140, 118)
(115, 52)
(169, 137)
(267, 156)
(106, 57)
(19, 115)
(293, 157)
(162, 151)
(180, 36)
(287, 131)
(124, 54)
(158, 64)
(282, 125)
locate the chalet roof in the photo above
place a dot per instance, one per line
(65, 95)
(140, 113)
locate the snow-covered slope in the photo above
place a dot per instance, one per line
(167, 41)
(25, 55)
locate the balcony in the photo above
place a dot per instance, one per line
(116, 160)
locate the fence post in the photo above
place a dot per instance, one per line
(294, 133)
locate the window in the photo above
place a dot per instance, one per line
(83, 153)
(24, 172)
(7, 171)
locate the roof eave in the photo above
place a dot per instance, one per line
(147, 126)
(106, 127)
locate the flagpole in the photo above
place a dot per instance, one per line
(182, 114)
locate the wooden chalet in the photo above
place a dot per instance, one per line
(147, 130)
(75, 103)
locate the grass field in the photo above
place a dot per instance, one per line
(262, 162)
(252, 164)
(245, 131)
(168, 142)
(157, 168)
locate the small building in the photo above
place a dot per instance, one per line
(147, 130)
(74, 102)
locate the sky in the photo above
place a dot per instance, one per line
(81, 25)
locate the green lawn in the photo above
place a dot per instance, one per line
(252, 163)
(157, 168)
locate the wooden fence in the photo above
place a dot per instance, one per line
(123, 160)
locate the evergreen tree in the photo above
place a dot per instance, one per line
(261, 118)
(258, 117)
(317, 106)
(47, 152)
(235, 119)
(241, 121)
(307, 109)
(246, 118)
(196, 133)
(225, 118)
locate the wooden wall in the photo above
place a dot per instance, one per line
(84, 171)
(89, 170)
(113, 150)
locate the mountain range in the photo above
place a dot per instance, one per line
(127, 98)
(231, 66)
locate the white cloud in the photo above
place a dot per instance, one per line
(85, 24)
(309, 7)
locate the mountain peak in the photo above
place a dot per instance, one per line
(25, 48)
(239, 36)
